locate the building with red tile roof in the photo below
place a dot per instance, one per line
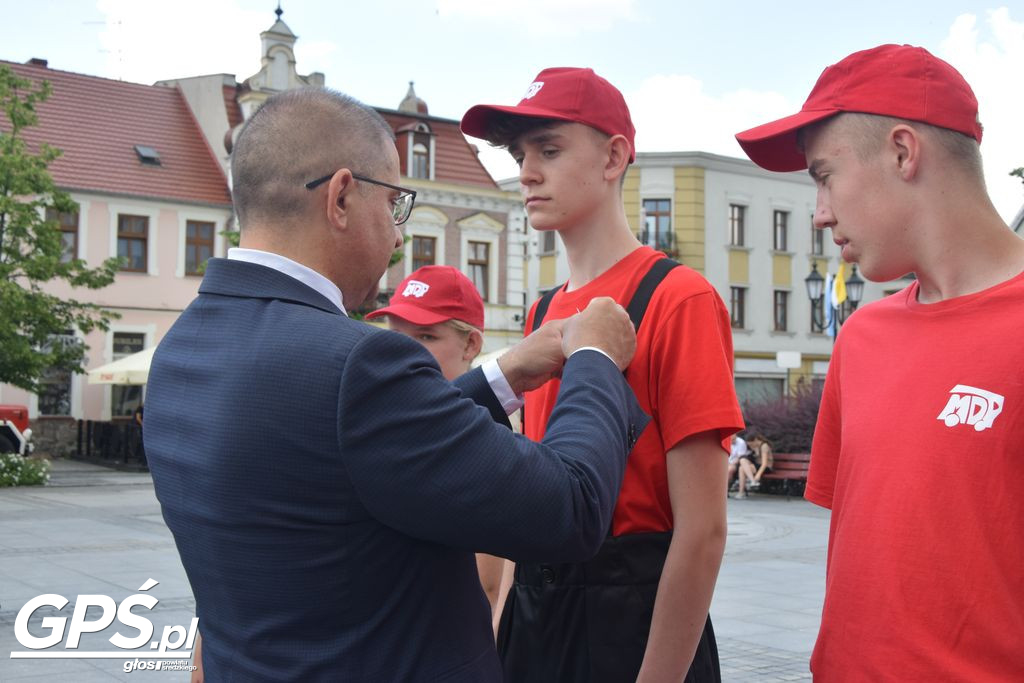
(149, 168)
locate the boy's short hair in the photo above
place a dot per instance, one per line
(563, 94)
(868, 133)
(899, 81)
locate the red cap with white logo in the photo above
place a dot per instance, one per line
(901, 81)
(563, 94)
(435, 294)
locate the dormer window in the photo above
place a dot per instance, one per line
(421, 152)
(148, 155)
(420, 161)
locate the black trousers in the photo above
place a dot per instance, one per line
(588, 622)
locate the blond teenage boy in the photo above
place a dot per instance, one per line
(925, 573)
(639, 610)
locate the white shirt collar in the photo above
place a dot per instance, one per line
(283, 264)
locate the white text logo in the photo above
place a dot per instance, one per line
(416, 288)
(971, 406)
(167, 647)
(533, 89)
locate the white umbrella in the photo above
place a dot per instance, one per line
(133, 369)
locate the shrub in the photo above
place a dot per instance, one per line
(787, 422)
(16, 470)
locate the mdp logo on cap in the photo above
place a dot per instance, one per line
(533, 89)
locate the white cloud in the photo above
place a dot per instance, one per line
(545, 17)
(991, 58)
(673, 113)
(184, 38)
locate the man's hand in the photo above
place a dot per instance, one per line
(536, 359)
(605, 325)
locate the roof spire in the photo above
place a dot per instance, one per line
(279, 11)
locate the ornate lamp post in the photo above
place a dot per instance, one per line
(816, 292)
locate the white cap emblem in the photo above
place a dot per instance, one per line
(533, 89)
(416, 288)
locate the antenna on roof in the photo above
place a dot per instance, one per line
(279, 11)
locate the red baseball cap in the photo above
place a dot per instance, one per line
(564, 94)
(435, 294)
(901, 81)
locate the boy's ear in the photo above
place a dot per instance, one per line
(618, 157)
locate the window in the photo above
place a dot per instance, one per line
(478, 266)
(55, 383)
(424, 251)
(817, 240)
(657, 231)
(737, 215)
(781, 310)
(818, 316)
(759, 389)
(68, 224)
(198, 245)
(132, 239)
(420, 161)
(780, 223)
(737, 300)
(125, 398)
(547, 241)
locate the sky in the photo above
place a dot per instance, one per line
(694, 73)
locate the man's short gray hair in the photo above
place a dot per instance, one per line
(295, 137)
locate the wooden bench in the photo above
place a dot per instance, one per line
(790, 468)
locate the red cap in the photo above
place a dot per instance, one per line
(901, 81)
(435, 294)
(563, 94)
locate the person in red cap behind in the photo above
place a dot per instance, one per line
(620, 617)
(925, 573)
(439, 307)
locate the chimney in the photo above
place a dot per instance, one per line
(36, 61)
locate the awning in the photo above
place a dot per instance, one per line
(133, 369)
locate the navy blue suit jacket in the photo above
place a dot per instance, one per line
(326, 486)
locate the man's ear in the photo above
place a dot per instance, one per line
(904, 146)
(619, 150)
(474, 343)
(340, 191)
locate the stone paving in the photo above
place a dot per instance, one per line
(94, 531)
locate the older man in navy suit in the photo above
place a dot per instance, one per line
(325, 485)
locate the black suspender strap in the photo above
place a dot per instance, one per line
(642, 296)
(542, 306)
(637, 305)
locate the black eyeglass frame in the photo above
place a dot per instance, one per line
(313, 184)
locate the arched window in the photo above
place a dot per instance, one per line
(420, 161)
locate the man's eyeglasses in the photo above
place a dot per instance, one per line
(401, 206)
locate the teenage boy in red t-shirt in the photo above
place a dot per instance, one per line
(925, 573)
(639, 610)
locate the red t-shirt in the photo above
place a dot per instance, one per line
(681, 375)
(918, 452)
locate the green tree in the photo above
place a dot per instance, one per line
(32, 250)
(1019, 172)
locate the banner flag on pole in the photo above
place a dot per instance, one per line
(839, 290)
(829, 307)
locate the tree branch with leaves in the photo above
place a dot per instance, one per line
(32, 250)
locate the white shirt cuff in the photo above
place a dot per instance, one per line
(508, 399)
(591, 348)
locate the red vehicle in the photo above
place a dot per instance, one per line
(15, 435)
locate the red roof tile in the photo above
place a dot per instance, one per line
(455, 161)
(97, 122)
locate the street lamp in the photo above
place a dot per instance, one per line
(854, 288)
(816, 291)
